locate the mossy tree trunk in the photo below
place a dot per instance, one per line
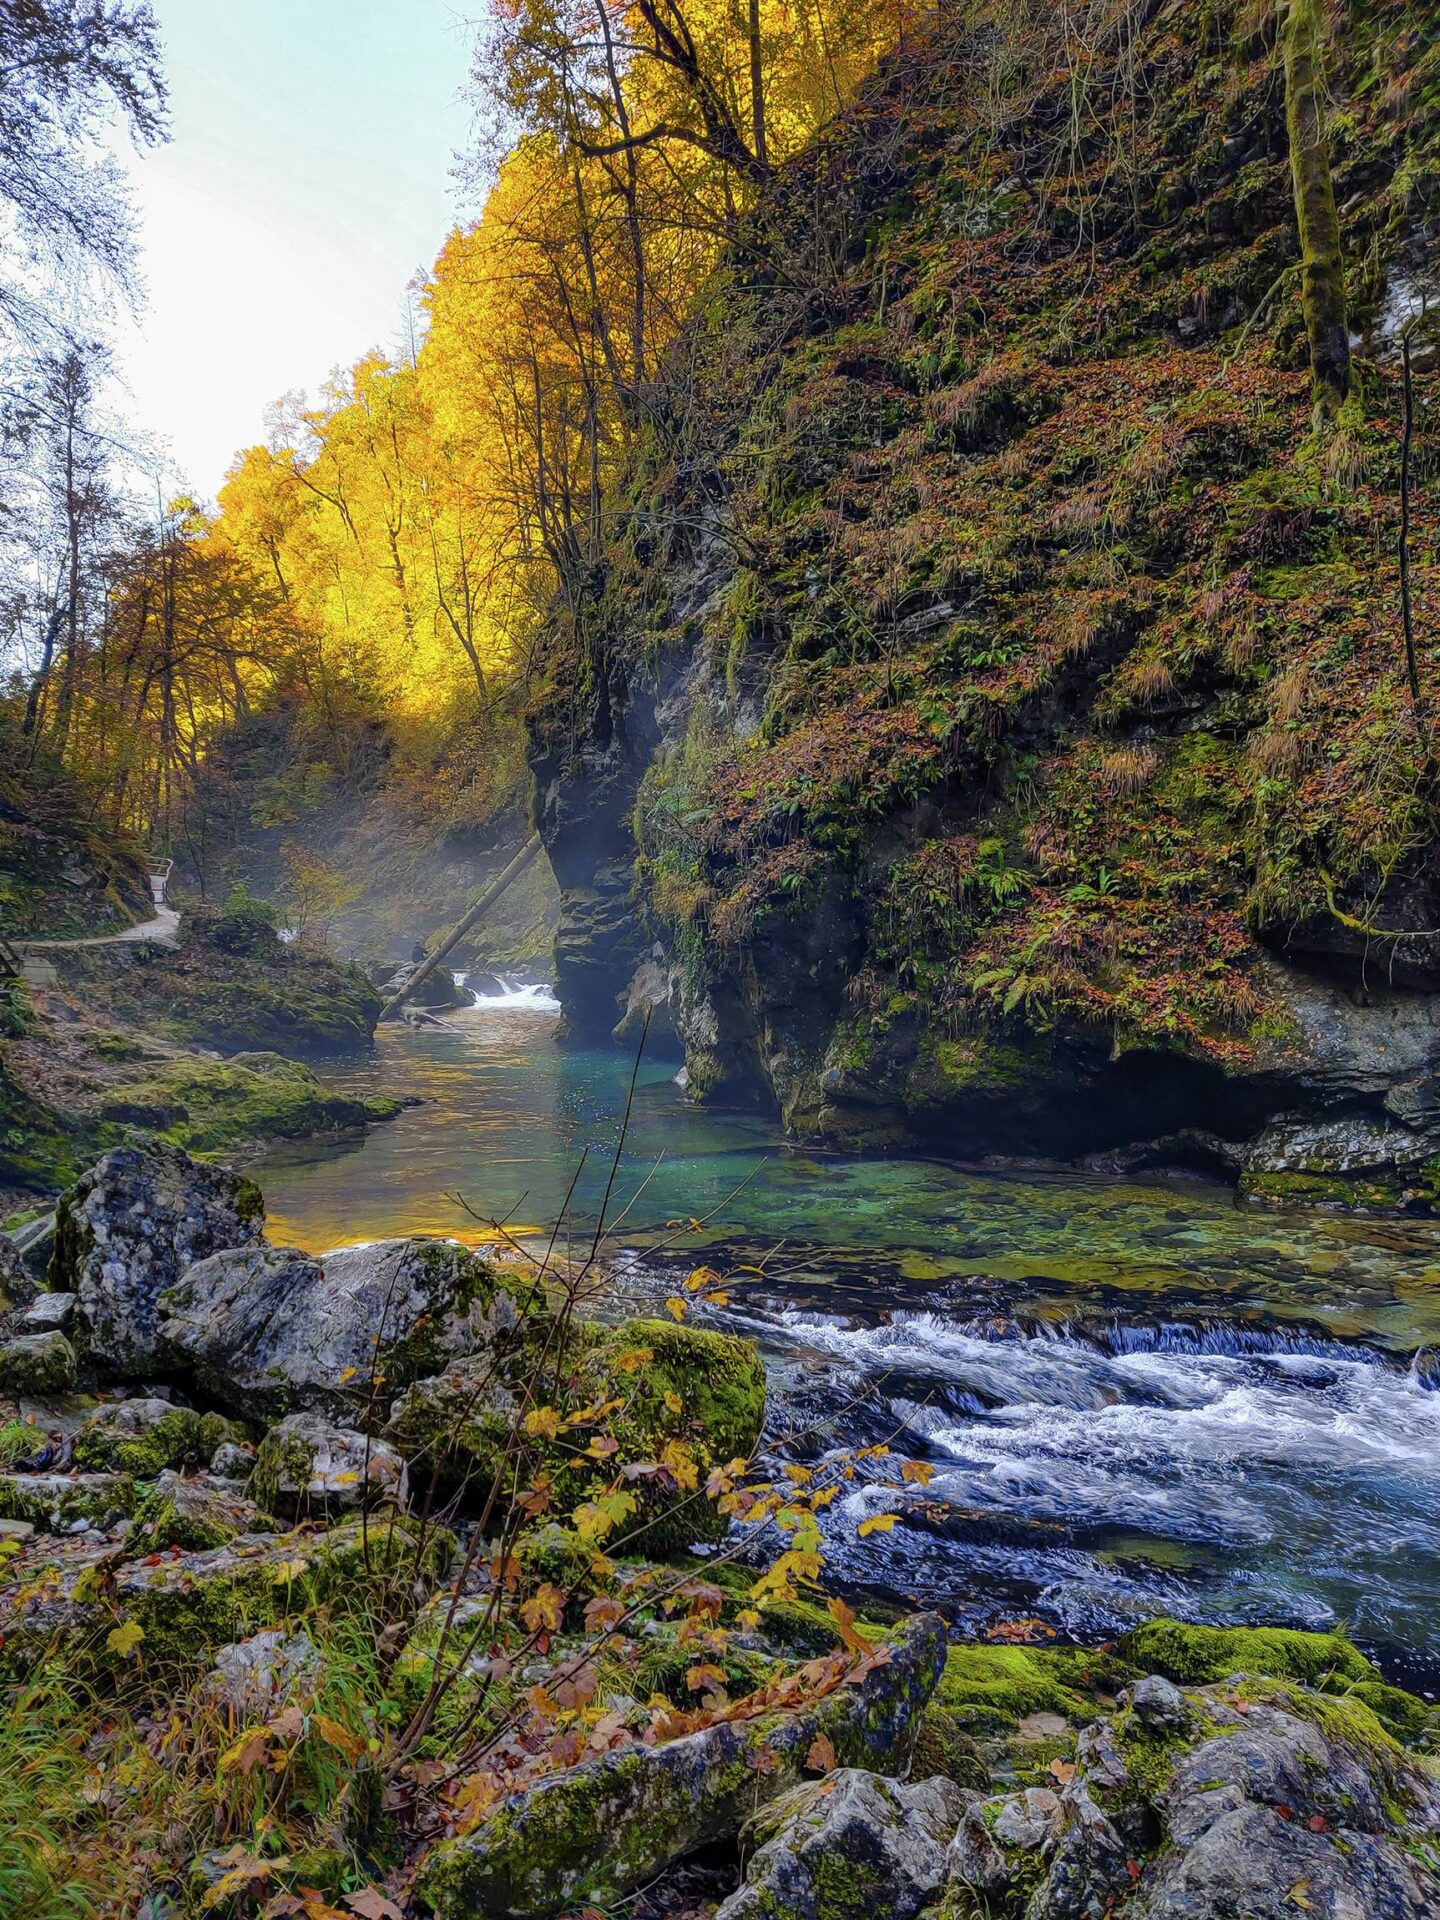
(1322, 262)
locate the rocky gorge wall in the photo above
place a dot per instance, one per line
(992, 730)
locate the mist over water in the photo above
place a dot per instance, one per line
(1133, 1399)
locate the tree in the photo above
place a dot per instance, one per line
(1322, 262)
(68, 69)
(63, 511)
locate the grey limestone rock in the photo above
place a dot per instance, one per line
(849, 1847)
(127, 1231)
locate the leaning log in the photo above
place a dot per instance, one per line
(458, 932)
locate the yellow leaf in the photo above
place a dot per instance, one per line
(637, 1357)
(348, 1375)
(674, 1403)
(125, 1638)
(676, 1307)
(352, 1745)
(543, 1423)
(877, 1523)
(919, 1472)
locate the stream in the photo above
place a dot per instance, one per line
(1133, 1399)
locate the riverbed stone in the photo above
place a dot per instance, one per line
(611, 1824)
(127, 1230)
(307, 1467)
(267, 1331)
(852, 1846)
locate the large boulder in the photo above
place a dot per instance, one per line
(270, 1330)
(609, 1825)
(852, 1846)
(127, 1230)
(1249, 1798)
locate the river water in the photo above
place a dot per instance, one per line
(1133, 1399)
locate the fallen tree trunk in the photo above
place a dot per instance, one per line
(458, 932)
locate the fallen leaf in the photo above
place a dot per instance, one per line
(371, 1904)
(821, 1756)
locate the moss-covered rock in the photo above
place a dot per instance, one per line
(306, 1468)
(611, 1824)
(193, 1603)
(37, 1363)
(191, 1515)
(143, 1437)
(680, 1400)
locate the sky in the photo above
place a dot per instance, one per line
(307, 177)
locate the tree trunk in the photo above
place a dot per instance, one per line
(1322, 263)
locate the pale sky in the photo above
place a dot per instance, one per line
(308, 176)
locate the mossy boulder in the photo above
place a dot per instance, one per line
(37, 1363)
(609, 1825)
(268, 1331)
(699, 1393)
(190, 1514)
(144, 1436)
(682, 1401)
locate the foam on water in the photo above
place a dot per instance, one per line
(534, 998)
(1098, 1486)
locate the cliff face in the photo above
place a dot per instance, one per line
(993, 731)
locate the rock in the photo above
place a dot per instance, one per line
(1158, 1703)
(191, 1514)
(144, 1436)
(17, 1289)
(1031, 1819)
(1288, 1792)
(307, 1468)
(267, 1330)
(48, 1313)
(195, 1600)
(37, 1363)
(850, 1847)
(976, 1860)
(611, 1824)
(1274, 1804)
(56, 1502)
(254, 1677)
(128, 1230)
(233, 1460)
